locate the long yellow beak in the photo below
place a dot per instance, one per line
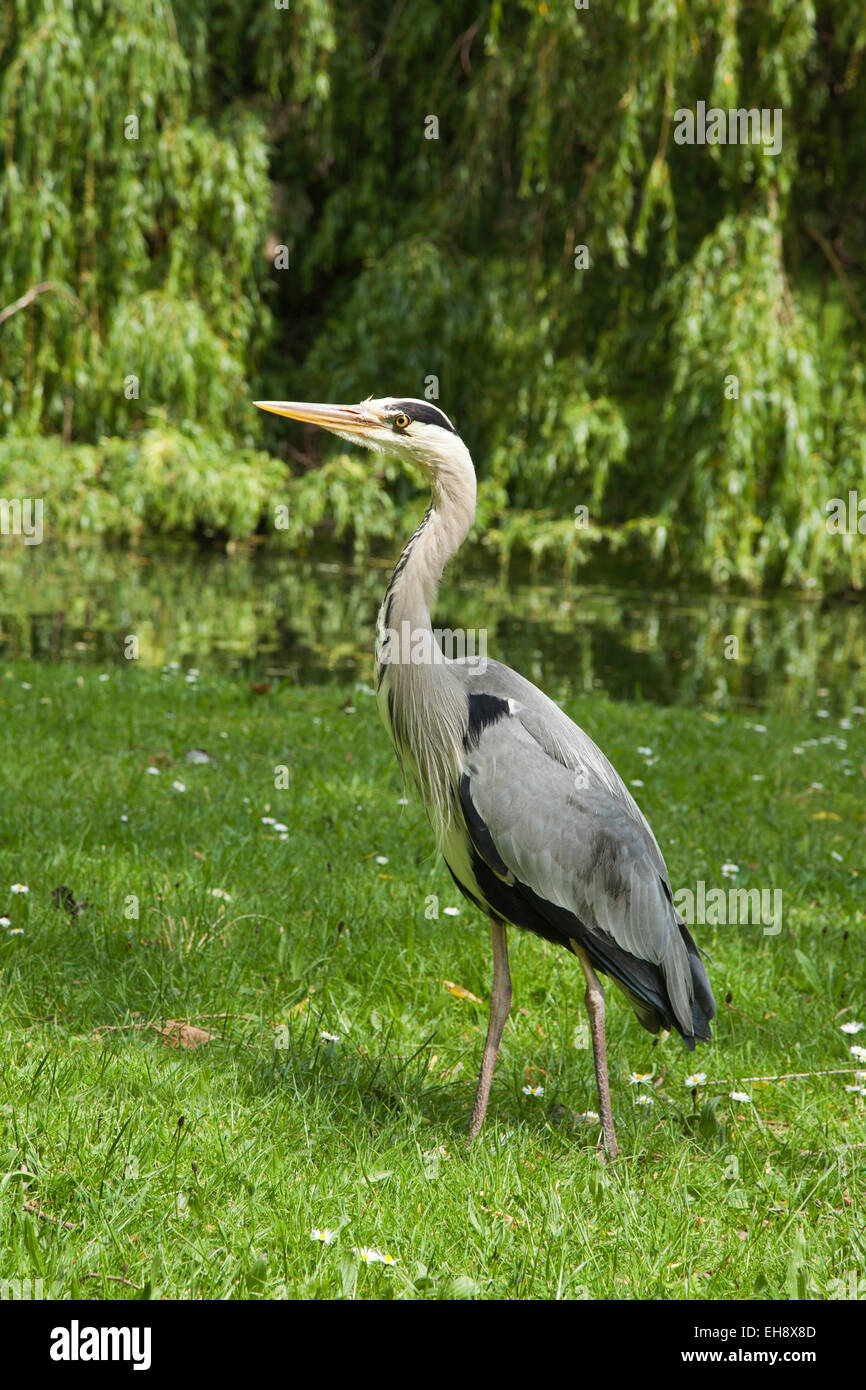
(330, 417)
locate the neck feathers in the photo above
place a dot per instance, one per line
(421, 703)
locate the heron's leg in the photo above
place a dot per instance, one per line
(500, 1007)
(595, 1008)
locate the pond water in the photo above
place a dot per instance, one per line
(306, 620)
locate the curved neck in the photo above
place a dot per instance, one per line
(412, 590)
(420, 701)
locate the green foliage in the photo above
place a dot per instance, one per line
(412, 258)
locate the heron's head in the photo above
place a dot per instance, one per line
(417, 430)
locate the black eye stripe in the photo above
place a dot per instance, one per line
(424, 414)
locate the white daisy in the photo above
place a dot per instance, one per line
(374, 1257)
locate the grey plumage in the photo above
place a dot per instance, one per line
(536, 826)
(565, 827)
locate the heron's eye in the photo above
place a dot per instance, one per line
(401, 422)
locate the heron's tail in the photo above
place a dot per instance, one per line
(703, 1003)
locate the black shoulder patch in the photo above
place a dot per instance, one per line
(425, 414)
(484, 710)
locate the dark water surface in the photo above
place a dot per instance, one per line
(306, 620)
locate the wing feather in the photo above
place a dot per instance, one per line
(546, 808)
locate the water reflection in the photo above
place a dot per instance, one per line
(308, 620)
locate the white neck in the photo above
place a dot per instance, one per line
(422, 705)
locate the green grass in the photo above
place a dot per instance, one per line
(129, 1165)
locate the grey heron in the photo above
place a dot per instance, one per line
(535, 825)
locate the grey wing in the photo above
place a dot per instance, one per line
(561, 843)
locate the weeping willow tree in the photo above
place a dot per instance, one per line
(648, 343)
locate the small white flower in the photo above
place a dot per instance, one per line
(857, 1090)
(644, 1100)
(381, 859)
(17, 931)
(284, 836)
(281, 829)
(858, 1053)
(799, 752)
(759, 776)
(19, 888)
(822, 714)
(730, 869)
(325, 1234)
(636, 782)
(104, 678)
(179, 786)
(845, 724)
(741, 1097)
(640, 1078)
(5, 921)
(858, 709)
(152, 771)
(645, 752)
(403, 801)
(25, 685)
(533, 1091)
(697, 1078)
(268, 820)
(759, 728)
(330, 1037)
(374, 1257)
(852, 1027)
(124, 818)
(451, 911)
(221, 893)
(834, 854)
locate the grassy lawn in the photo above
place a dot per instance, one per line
(173, 1120)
